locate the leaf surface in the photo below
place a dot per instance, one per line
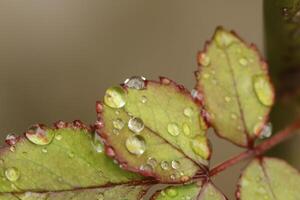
(269, 178)
(190, 192)
(72, 166)
(171, 146)
(234, 82)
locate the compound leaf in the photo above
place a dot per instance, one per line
(234, 82)
(269, 178)
(63, 163)
(154, 128)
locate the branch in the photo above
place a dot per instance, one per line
(259, 149)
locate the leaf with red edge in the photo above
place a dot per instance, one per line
(67, 162)
(269, 178)
(236, 89)
(154, 128)
(199, 191)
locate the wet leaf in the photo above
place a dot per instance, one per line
(188, 192)
(237, 93)
(72, 165)
(269, 178)
(158, 132)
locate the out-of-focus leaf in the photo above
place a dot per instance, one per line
(156, 130)
(190, 192)
(269, 178)
(71, 166)
(234, 82)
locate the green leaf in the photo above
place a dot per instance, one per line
(156, 130)
(234, 82)
(192, 191)
(269, 178)
(63, 163)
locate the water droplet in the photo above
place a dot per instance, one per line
(152, 161)
(233, 116)
(135, 82)
(115, 97)
(266, 132)
(58, 137)
(44, 150)
(144, 99)
(12, 174)
(71, 155)
(175, 164)
(171, 192)
(11, 139)
(200, 146)
(206, 75)
(117, 112)
(186, 129)
(12, 148)
(173, 129)
(164, 165)
(285, 12)
(227, 99)
(97, 144)
(136, 145)
(118, 123)
(263, 89)
(204, 59)
(196, 95)
(146, 167)
(173, 176)
(100, 196)
(188, 112)
(223, 39)
(136, 124)
(243, 61)
(38, 134)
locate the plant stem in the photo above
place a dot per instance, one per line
(259, 149)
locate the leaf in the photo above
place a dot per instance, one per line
(234, 82)
(269, 178)
(156, 130)
(188, 192)
(71, 166)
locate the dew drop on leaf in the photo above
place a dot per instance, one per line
(136, 145)
(227, 99)
(97, 144)
(266, 131)
(144, 99)
(146, 167)
(100, 196)
(263, 89)
(204, 59)
(186, 129)
(173, 129)
(44, 150)
(11, 139)
(135, 82)
(206, 75)
(136, 124)
(58, 137)
(175, 164)
(118, 123)
(243, 61)
(164, 165)
(38, 135)
(200, 146)
(12, 174)
(223, 39)
(171, 192)
(115, 97)
(188, 112)
(152, 161)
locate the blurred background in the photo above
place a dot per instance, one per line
(57, 57)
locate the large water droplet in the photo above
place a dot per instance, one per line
(223, 39)
(164, 165)
(200, 146)
(263, 89)
(39, 135)
(12, 174)
(135, 82)
(186, 129)
(188, 112)
(136, 124)
(175, 164)
(115, 97)
(118, 123)
(266, 131)
(97, 143)
(173, 129)
(171, 192)
(152, 161)
(136, 145)
(204, 59)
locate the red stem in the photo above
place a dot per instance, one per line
(259, 149)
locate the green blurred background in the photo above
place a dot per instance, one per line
(57, 57)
